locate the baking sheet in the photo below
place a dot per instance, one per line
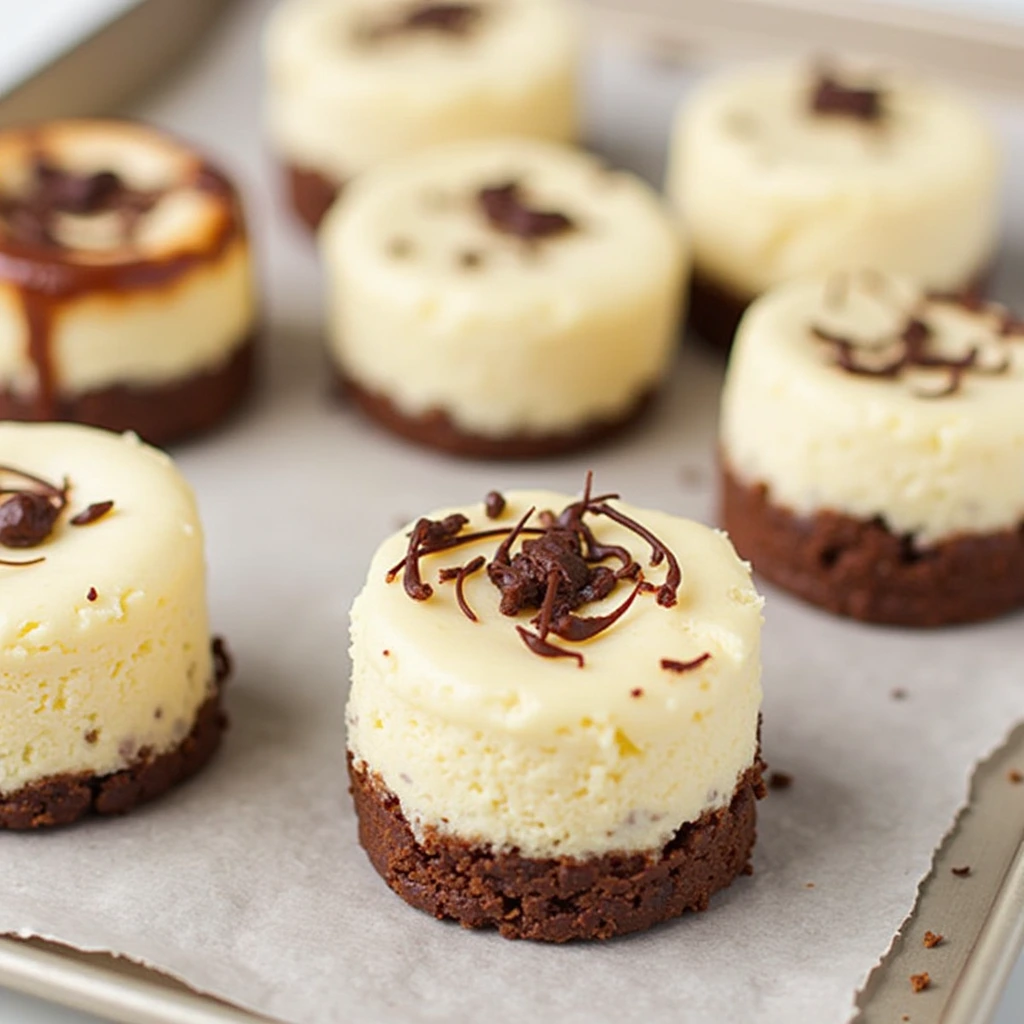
(249, 883)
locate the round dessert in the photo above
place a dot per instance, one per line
(502, 298)
(126, 297)
(554, 715)
(784, 170)
(111, 687)
(873, 449)
(352, 83)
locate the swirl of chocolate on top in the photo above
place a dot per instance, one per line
(450, 19)
(30, 508)
(832, 97)
(507, 210)
(559, 568)
(31, 217)
(911, 347)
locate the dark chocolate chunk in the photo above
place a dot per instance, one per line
(831, 97)
(507, 210)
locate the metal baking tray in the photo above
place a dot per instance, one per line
(987, 909)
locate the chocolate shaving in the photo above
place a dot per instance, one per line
(494, 504)
(27, 519)
(962, 872)
(671, 665)
(546, 650)
(91, 595)
(576, 629)
(556, 569)
(460, 575)
(830, 97)
(912, 351)
(507, 211)
(669, 590)
(637, 691)
(91, 514)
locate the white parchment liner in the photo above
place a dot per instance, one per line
(249, 883)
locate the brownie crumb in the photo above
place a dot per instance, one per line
(1015, 776)
(931, 940)
(158, 713)
(962, 872)
(779, 780)
(919, 982)
(637, 692)
(91, 595)
(92, 736)
(386, 653)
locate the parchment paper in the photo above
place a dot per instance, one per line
(248, 883)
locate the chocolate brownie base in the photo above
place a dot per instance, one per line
(311, 194)
(715, 311)
(436, 430)
(861, 569)
(558, 899)
(160, 414)
(63, 799)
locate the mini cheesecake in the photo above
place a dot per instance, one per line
(502, 298)
(786, 169)
(126, 294)
(110, 687)
(872, 446)
(553, 721)
(352, 83)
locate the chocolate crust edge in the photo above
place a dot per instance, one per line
(161, 414)
(436, 430)
(562, 899)
(311, 194)
(65, 799)
(862, 570)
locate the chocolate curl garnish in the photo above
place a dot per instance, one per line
(455, 542)
(501, 555)
(953, 382)
(577, 629)
(669, 590)
(545, 649)
(846, 356)
(507, 211)
(548, 605)
(832, 97)
(411, 579)
(671, 665)
(460, 574)
(91, 514)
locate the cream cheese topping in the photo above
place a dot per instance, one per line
(770, 190)
(340, 102)
(434, 308)
(931, 460)
(105, 645)
(483, 739)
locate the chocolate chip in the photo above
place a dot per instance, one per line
(508, 211)
(91, 595)
(494, 504)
